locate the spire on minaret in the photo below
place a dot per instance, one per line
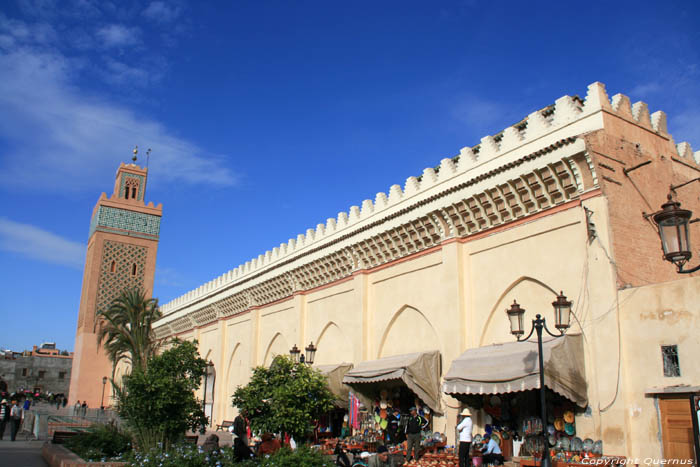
(136, 151)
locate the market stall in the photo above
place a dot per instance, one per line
(502, 382)
(388, 388)
(330, 424)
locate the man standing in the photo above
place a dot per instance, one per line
(414, 426)
(4, 416)
(15, 419)
(240, 427)
(465, 437)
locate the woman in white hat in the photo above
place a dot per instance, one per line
(465, 437)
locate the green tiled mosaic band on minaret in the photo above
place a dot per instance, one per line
(107, 219)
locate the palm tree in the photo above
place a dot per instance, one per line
(126, 328)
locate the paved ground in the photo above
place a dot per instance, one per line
(21, 453)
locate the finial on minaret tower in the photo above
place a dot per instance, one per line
(136, 151)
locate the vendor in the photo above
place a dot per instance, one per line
(414, 426)
(492, 451)
(392, 431)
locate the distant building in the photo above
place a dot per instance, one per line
(43, 369)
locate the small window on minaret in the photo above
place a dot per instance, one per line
(113, 267)
(126, 193)
(133, 192)
(133, 269)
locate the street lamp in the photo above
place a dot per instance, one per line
(294, 352)
(672, 222)
(210, 365)
(102, 402)
(309, 356)
(562, 317)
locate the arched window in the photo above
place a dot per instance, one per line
(113, 266)
(133, 192)
(133, 269)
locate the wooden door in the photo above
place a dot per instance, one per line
(677, 429)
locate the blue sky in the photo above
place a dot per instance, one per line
(266, 118)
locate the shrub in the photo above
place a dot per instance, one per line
(158, 404)
(100, 442)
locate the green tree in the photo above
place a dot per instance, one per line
(158, 403)
(126, 328)
(285, 398)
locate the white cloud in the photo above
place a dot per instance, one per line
(57, 137)
(168, 277)
(162, 13)
(643, 90)
(118, 35)
(35, 243)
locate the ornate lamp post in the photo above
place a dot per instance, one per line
(102, 402)
(562, 316)
(308, 358)
(210, 365)
(672, 222)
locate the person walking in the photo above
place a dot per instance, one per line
(15, 419)
(84, 407)
(414, 426)
(465, 437)
(76, 409)
(4, 417)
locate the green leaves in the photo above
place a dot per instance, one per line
(285, 398)
(126, 328)
(158, 402)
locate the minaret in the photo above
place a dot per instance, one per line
(121, 253)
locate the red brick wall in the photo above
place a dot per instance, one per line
(635, 241)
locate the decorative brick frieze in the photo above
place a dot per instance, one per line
(123, 266)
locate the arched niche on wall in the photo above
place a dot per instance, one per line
(408, 331)
(277, 346)
(237, 374)
(534, 296)
(332, 346)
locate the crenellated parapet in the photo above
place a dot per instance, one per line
(535, 164)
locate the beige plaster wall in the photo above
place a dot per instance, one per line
(652, 316)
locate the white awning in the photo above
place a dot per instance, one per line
(511, 367)
(419, 371)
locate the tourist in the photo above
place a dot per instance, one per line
(15, 419)
(4, 416)
(381, 458)
(84, 407)
(492, 452)
(414, 426)
(465, 437)
(240, 427)
(269, 445)
(76, 409)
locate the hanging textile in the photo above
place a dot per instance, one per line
(354, 411)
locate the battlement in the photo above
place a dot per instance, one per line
(568, 116)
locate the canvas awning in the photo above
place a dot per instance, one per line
(334, 374)
(503, 368)
(419, 371)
